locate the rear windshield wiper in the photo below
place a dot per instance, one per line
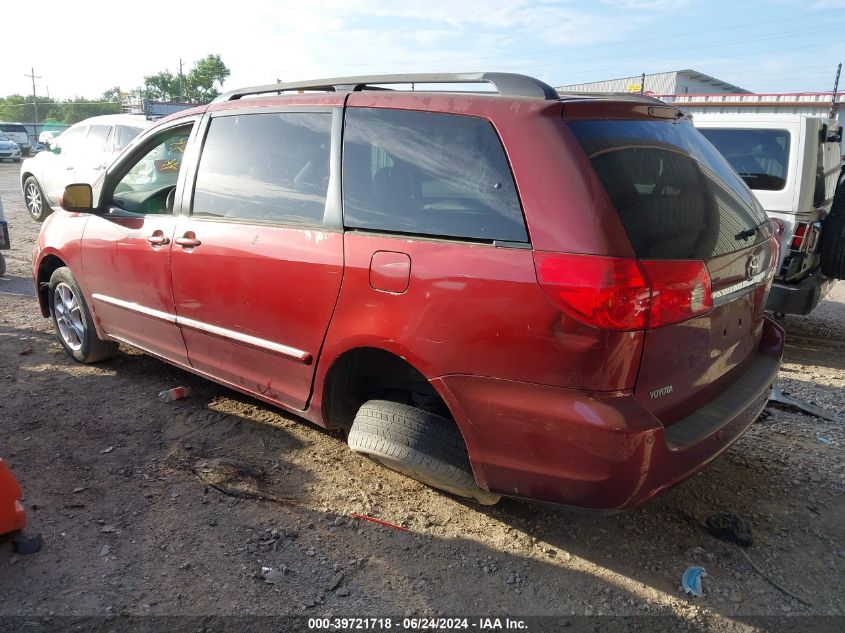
(748, 233)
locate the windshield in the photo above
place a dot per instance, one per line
(759, 156)
(676, 195)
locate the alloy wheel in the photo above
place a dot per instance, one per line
(68, 316)
(34, 202)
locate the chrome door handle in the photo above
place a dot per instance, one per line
(158, 240)
(187, 242)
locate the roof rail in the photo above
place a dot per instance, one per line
(507, 84)
(626, 96)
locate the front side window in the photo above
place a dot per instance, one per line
(144, 188)
(427, 173)
(265, 167)
(760, 157)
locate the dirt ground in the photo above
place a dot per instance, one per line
(122, 488)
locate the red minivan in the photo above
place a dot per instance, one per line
(520, 293)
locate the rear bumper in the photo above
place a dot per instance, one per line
(600, 451)
(799, 298)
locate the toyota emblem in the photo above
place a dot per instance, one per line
(754, 266)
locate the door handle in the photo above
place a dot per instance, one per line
(188, 240)
(158, 240)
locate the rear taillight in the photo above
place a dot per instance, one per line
(798, 237)
(680, 290)
(624, 294)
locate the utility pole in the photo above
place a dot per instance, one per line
(181, 83)
(642, 84)
(835, 89)
(33, 76)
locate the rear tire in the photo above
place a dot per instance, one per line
(36, 203)
(2, 265)
(419, 444)
(833, 238)
(73, 322)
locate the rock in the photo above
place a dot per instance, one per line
(342, 592)
(335, 581)
(105, 550)
(109, 529)
(274, 576)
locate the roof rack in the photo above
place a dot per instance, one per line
(626, 96)
(507, 84)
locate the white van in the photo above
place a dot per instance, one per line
(792, 163)
(17, 132)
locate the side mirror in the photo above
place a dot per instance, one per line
(79, 198)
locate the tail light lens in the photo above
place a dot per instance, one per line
(624, 294)
(680, 290)
(798, 237)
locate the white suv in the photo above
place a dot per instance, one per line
(80, 154)
(792, 163)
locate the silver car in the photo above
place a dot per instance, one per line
(9, 150)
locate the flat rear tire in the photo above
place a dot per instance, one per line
(419, 444)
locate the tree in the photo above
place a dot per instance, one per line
(163, 86)
(113, 94)
(19, 108)
(79, 108)
(203, 76)
(200, 84)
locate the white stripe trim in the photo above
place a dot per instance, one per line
(254, 341)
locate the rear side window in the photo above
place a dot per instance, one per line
(268, 167)
(759, 156)
(427, 173)
(123, 134)
(677, 197)
(95, 142)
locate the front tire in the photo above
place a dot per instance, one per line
(36, 203)
(419, 444)
(73, 322)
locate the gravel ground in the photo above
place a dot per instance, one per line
(125, 491)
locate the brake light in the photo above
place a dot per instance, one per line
(680, 290)
(613, 293)
(798, 237)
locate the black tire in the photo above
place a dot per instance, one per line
(2, 265)
(73, 322)
(833, 238)
(419, 444)
(35, 201)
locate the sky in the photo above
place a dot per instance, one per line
(85, 47)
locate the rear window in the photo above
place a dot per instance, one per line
(426, 173)
(759, 156)
(12, 128)
(677, 197)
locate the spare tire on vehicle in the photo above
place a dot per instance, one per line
(833, 238)
(419, 444)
